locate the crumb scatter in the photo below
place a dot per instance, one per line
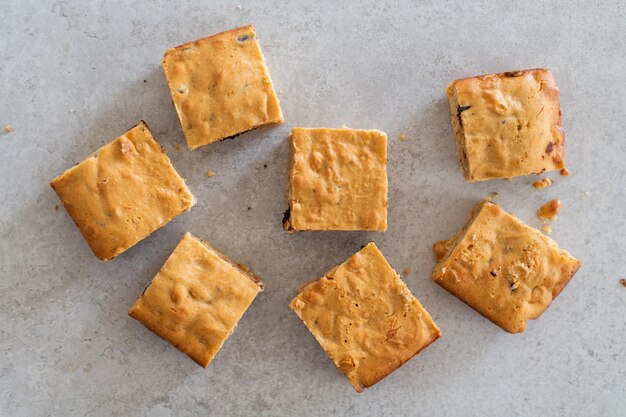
(550, 209)
(541, 184)
(210, 173)
(439, 248)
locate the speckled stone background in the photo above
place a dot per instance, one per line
(76, 74)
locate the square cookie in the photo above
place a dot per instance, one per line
(196, 299)
(123, 192)
(221, 86)
(507, 271)
(507, 124)
(365, 318)
(337, 180)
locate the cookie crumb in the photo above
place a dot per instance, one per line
(210, 173)
(238, 7)
(178, 148)
(550, 209)
(406, 271)
(439, 248)
(541, 184)
(8, 128)
(566, 172)
(264, 165)
(546, 229)
(56, 207)
(249, 208)
(403, 137)
(623, 281)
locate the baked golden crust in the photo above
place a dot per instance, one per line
(507, 124)
(196, 299)
(123, 192)
(507, 271)
(221, 86)
(365, 318)
(337, 180)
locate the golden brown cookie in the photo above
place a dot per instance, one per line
(123, 192)
(507, 271)
(365, 318)
(196, 299)
(507, 124)
(337, 180)
(221, 86)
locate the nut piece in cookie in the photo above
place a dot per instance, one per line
(507, 271)
(365, 318)
(221, 86)
(337, 180)
(196, 299)
(507, 124)
(123, 192)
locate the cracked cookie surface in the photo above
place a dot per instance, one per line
(507, 271)
(337, 180)
(507, 124)
(221, 86)
(365, 317)
(123, 192)
(196, 299)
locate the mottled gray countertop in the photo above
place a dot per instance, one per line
(76, 74)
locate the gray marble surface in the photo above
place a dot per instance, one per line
(76, 74)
